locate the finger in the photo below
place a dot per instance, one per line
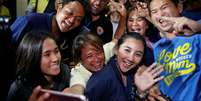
(160, 98)
(172, 19)
(158, 79)
(157, 73)
(151, 67)
(139, 71)
(34, 93)
(150, 98)
(44, 97)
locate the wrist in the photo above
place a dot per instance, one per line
(142, 94)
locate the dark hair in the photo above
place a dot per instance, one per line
(175, 2)
(136, 36)
(64, 2)
(151, 32)
(28, 59)
(83, 39)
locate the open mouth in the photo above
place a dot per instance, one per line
(137, 30)
(54, 66)
(163, 23)
(127, 64)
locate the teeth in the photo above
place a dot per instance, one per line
(161, 21)
(55, 66)
(128, 63)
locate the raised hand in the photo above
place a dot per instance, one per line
(117, 7)
(147, 78)
(142, 9)
(183, 25)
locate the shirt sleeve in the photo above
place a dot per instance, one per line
(79, 75)
(77, 78)
(108, 50)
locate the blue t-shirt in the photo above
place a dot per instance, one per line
(182, 60)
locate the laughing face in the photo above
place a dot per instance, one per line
(160, 8)
(50, 62)
(92, 58)
(129, 54)
(136, 23)
(69, 16)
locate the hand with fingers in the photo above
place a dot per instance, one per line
(183, 25)
(35, 96)
(117, 7)
(142, 10)
(144, 80)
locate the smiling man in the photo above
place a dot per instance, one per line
(64, 24)
(179, 54)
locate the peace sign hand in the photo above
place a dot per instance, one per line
(183, 25)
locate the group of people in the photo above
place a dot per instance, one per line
(136, 63)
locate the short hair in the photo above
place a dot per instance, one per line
(64, 2)
(83, 39)
(175, 2)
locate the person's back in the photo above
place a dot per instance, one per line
(24, 24)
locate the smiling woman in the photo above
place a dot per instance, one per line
(115, 81)
(38, 63)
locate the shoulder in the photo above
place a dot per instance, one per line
(18, 91)
(38, 17)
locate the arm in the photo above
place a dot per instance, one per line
(184, 25)
(122, 21)
(78, 80)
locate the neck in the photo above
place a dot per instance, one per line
(49, 79)
(95, 17)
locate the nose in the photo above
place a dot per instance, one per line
(72, 19)
(54, 58)
(131, 58)
(97, 2)
(134, 23)
(161, 13)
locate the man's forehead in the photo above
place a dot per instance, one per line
(158, 3)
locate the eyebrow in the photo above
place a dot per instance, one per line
(46, 51)
(136, 51)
